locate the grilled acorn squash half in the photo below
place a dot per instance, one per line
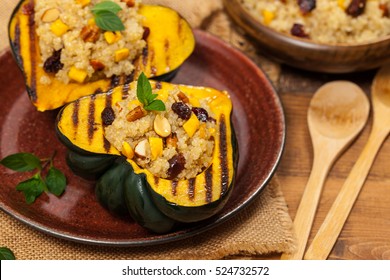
(169, 42)
(122, 184)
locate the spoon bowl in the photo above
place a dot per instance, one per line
(337, 113)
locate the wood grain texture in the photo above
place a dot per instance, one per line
(366, 234)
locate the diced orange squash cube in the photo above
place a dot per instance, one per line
(112, 37)
(77, 75)
(59, 28)
(127, 150)
(121, 54)
(268, 16)
(83, 3)
(192, 125)
(156, 147)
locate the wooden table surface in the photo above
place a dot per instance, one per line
(366, 234)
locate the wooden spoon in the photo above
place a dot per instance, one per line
(338, 214)
(337, 113)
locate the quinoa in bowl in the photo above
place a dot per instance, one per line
(325, 21)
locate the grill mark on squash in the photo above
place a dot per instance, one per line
(223, 156)
(174, 186)
(126, 84)
(191, 188)
(91, 118)
(106, 143)
(75, 113)
(166, 48)
(16, 44)
(209, 184)
(31, 29)
(145, 53)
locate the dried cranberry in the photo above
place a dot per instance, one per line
(176, 165)
(53, 63)
(299, 31)
(356, 8)
(306, 6)
(182, 110)
(108, 116)
(201, 114)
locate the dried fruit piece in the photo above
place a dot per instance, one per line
(306, 6)
(90, 33)
(129, 3)
(176, 165)
(385, 10)
(182, 110)
(108, 116)
(356, 8)
(135, 114)
(201, 114)
(299, 31)
(53, 63)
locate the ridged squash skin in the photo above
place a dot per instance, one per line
(169, 43)
(148, 199)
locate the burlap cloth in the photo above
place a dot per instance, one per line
(263, 228)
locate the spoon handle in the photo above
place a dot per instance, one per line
(329, 231)
(304, 217)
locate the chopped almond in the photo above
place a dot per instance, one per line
(135, 114)
(90, 33)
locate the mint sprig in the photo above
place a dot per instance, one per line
(146, 96)
(33, 187)
(6, 254)
(106, 17)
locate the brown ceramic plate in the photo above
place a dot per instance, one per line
(258, 119)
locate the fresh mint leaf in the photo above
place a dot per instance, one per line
(55, 181)
(6, 254)
(146, 96)
(108, 21)
(31, 188)
(21, 162)
(106, 6)
(156, 105)
(106, 17)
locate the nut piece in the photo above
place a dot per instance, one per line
(90, 33)
(171, 140)
(141, 149)
(135, 114)
(129, 3)
(183, 97)
(97, 65)
(50, 15)
(162, 126)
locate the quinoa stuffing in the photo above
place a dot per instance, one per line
(175, 143)
(76, 47)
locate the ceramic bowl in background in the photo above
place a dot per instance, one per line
(305, 54)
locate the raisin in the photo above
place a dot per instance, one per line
(53, 63)
(176, 165)
(201, 114)
(356, 8)
(108, 116)
(182, 110)
(306, 6)
(299, 31)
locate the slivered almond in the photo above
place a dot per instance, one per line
(135, 114)
(50, 15)
(141, 149)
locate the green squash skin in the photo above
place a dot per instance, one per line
(141, 206)
(89, 167)
(109, 188)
